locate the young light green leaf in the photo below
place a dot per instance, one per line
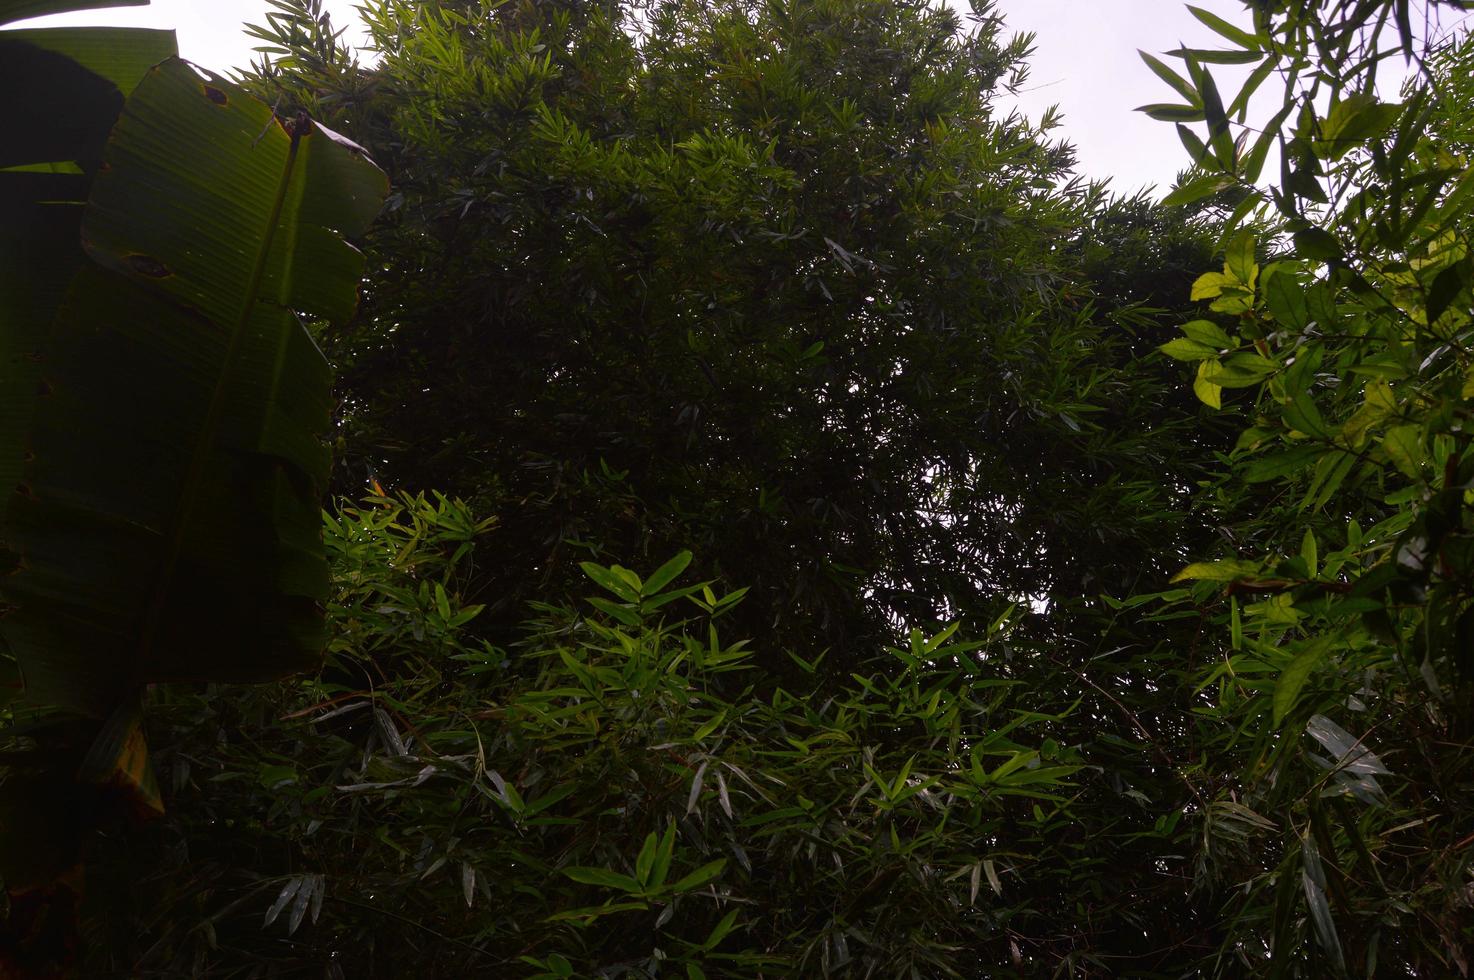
(1209, 285)
(1239, 258)
(1208, 393)
(1227, 570)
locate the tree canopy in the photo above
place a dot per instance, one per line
(777, 283)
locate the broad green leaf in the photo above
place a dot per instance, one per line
(608, 579)
(1219, 137)
(709, 727)
(720, 931)
(14, 10)
(209, 228)
(1208, 393)
(663, 856)
(1286, 300)
(1447, 287)
(1404, 446)
(1317, 244)
(1217, 56)
(1184, 349)
(623, 614)
(1309, 553)
(1253, 163)
(1355, 120)
(121, 55)
(1198, 151)
(1208, 332)
(1239, 258)
(1235, 300)
(1321, 299)
(1330, 472)
(1019, 760)
(1224, 374)
(74, 80)
(645, 860)
(627, 575)
(1172, 113)
(1301, 414)
(1209, 285)
(1238, 108)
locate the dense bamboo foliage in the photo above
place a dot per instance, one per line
(825, 535)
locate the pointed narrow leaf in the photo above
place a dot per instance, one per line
(666, 573)
(288, 891)
(1166, 74)
(1292, 679)
(604, 878)
(1225, 30)
(700, 876)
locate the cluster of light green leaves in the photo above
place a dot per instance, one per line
(1340, 700)
(609, 795)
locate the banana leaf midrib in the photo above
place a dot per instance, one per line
(205, 443)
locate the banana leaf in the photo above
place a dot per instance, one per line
(75, 80)
(13, 10)
(166, 521)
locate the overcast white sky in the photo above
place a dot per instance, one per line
(1085, 62)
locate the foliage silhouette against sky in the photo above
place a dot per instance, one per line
(1085, 62)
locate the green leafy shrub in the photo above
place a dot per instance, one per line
(1339, 715)
(621, 793)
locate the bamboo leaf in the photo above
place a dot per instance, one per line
(1293, 677)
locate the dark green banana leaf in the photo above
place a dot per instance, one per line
(74, 81)
(167, 516)
(13, 10)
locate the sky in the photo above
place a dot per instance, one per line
(1085, 62)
